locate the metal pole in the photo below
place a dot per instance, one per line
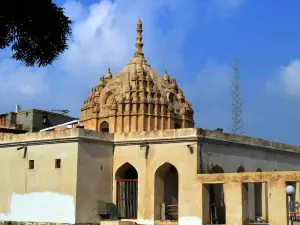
(289, 209)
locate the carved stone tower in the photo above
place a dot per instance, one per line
(136, 99)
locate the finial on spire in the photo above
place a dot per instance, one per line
(139, 44)
(166, 76)
(108, 74)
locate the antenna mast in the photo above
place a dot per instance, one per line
(237, 105)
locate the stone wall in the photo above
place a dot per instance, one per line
(35, 120)
(25, 119)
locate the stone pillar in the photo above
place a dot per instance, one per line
(163, 117)
(264, 201)
(156, 118)
(143, 195)
(297, 194)
(233, 203)
(169, 120)
(190, 200)
(245, 202)
(205, 211)
(134, 118)
(112, 123)
(251, 201)
(119, 124)
(126, 121)
(150, 125)
(277, 202)
(142, 118)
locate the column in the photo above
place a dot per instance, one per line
(251, 201)
(233, 202)
(245, 203)
(264, 201)
(277, 202)
(297, 194)
(205, 209)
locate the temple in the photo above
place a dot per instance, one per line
(136, 99)
(135, 158)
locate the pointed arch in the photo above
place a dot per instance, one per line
(241, 169)
(126, 171)
(166, 192)
(104, 127)
(127, 191)
(217, 169)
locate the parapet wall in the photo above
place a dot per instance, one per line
(157, 136)
(200, 134)
(6, 138)
(253, 141)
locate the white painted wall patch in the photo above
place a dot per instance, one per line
(41, 207)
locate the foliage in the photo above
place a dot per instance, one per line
(37, 31)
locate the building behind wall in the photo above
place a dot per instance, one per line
(32, 120)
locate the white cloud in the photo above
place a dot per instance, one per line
(19, 82)
(290, 76)
(106, 36)
(287, 81)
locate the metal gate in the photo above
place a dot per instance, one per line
(127, 196)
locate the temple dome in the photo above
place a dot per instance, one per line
(137, 99)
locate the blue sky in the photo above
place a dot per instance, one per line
(195, 42)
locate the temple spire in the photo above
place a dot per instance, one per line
(139, 44)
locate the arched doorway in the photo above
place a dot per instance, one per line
(166, 193)
(127, 191)
(217, 199)
(104, 127)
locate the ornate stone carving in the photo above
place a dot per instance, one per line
(137, 88)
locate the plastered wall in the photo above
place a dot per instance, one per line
(44, 193)
(94, 179)
(179, 156)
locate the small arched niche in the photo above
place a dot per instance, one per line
(172, 97)
(217, 169)
(177, 125)
(240, 169)
(104, 127)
